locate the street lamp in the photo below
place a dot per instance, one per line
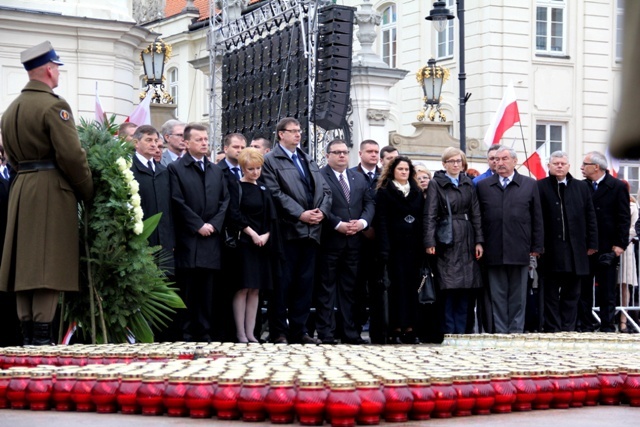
(153, 59)
(431, 78)
(439, 16)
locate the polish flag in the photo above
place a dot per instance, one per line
(101, 117)
(536, 165)
(614, 164)
(141, 115)
(506, 116)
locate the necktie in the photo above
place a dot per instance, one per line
(370, 176)
(345, 188)
(298, 165)
(595, 185)
(505, 182)
(150, 166)
(5, 173)
(236, 172)
(201, 164)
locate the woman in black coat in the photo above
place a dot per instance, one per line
(457, 271)
(399, 206)
(253, 215)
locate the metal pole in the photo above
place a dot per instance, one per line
(462, 77)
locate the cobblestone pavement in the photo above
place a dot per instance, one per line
(582, 417)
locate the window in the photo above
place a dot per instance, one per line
(629, 171)
(388, 29)
(173, 86)
(550, 26)
(549, 138)
(619, 22)
(445, 38)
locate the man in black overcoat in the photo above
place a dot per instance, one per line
(352, 210)
(571, 235)
(302, 199)
(200, 199)
(611, 202)
(513, 233)
(155, 197)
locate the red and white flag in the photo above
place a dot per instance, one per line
(536, 164)
(614, 164)
(101, 117)
(141, 115)
(506, 116)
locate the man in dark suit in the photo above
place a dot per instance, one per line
(513, 233)
(492, 162)
(303, 199)
(368, 292)
(352, 210)
(611, 202)
(155, 197)
(571, 236)
(200, 198)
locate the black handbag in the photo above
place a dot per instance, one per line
(427, 289)
(444, 227)
(231, 238)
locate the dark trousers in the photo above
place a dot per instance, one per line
(367, 280)
(38, 305)
(337, 289)
(198, 286)
(561, 296)
(605, 278)
(508, 285)
(456, 303)
(292, 293)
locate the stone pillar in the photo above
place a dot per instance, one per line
(371, 79)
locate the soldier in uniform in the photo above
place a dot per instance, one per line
(41, 251)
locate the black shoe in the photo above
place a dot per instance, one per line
(329, 341)
(306, 339)
(41, 333)
(409, 338)
(394, 338)
(356, 341)
(281, 340)
(27, 332)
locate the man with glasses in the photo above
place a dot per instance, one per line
(513, 233)
(173, 134)
(571, 236)
(611, 202)
(303, 200)
(352, 209)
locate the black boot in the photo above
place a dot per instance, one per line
(41, 333)
(27, 332)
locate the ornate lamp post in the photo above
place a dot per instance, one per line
(432, 78)
(439, 15)
(153, 59)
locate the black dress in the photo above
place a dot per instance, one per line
(255, 209)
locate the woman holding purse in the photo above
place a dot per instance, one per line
(453, 233)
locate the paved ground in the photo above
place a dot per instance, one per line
(582, 417)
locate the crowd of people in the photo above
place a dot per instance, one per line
(329, 251)
(332, 250)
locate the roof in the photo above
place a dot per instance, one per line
(174, 7)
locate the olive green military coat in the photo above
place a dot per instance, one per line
(41, 248)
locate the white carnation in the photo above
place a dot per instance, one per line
(128, 176)
(135, 200)
(137, 213)
(122, 164)
(138, 228)
(135, 187)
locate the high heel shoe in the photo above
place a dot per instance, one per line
(622, 328)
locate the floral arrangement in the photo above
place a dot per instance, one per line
(123, 291)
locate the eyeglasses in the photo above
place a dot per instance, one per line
(177, 134)
(292, 130)
(339, 153)
(588, 164)
(454, 161)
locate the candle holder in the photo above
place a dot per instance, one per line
(17, 388)
(343, 403)
(81, 391)
(225, 398)
(445, 395)
(126, 395)
(525, 390)
(149, 394)
(310, 401)
(199, 395)
(5, 378)
(104, 392)
(485, 395)
(253, 393)
(544, 390)
(423, 397)
(38, 392)
(279, 401)
(610, 385)
(505, 392)
(174, 397)
(372, 401)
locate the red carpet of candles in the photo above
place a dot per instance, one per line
(342, 385)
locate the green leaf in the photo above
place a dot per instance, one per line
(150, 224)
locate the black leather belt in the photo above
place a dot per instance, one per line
(36, 165)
